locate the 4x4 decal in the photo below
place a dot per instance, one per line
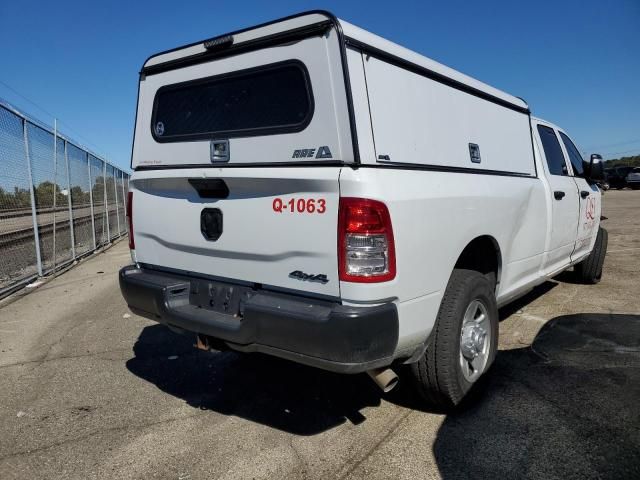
(309, 277)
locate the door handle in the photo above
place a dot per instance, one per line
(584, 194)
(558, 195)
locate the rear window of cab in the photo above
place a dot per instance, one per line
(270, 99)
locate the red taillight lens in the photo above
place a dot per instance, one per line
(366, 251)
(362, 218)
(132, 243)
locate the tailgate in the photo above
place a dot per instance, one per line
(278, 225)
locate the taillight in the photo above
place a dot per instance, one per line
(366, 252)
(132, 243)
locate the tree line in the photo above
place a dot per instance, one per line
(633, 161)
(45, 191)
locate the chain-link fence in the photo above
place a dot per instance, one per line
(58, 201)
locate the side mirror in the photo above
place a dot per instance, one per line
(594, 171)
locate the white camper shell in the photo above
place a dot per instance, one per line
(310, 190)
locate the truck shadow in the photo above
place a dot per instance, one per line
(525, 300)
(281, 394)
(568, 276)
(565, 407)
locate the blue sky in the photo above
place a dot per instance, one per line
(577, 63)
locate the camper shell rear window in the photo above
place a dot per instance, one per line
(270, 99)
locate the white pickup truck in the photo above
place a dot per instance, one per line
(309, 190)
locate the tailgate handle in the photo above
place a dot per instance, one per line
(210, 187)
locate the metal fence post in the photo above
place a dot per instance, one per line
(33, 198)
(73, 243)
(124, 202)
(106, 203)
(93, 218)
(115, 193)
(55, 189)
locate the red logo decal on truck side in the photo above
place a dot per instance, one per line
(590, 211)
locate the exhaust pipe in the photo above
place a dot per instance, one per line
(385, 378)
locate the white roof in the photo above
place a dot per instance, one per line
(241, 36)
(363, 36)
(350, 31)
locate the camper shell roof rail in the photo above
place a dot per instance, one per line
(316, 22)
(271, 33)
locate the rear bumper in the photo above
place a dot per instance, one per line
(322, 334)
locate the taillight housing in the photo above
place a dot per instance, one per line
(132, 243)
(366, 250)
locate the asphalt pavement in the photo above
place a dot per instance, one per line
(89, 390)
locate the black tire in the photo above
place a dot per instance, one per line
(590, 269)
(437, 375)
(635, 187)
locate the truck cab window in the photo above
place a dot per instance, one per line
(552, 151)
(574, 155)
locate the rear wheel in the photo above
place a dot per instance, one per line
(590, 269)
(463, 343)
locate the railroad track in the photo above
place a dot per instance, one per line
(26, 211)
(46, 225)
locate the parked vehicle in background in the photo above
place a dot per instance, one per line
(617, 176)
(633, 178)
(312, 191)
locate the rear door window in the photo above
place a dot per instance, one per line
(574, 155)
(552, 151)
(269, 99)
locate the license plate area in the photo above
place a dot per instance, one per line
(219, 297)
